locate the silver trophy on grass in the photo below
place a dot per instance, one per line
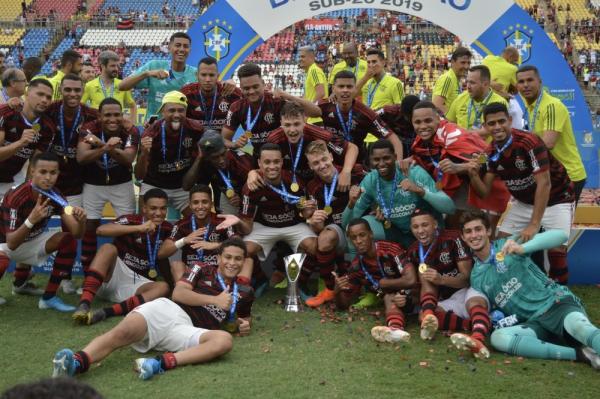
(293, 266)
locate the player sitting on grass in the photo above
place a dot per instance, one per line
(380, 267)
(553, 323)
(187, 330)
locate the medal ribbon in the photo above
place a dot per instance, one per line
(478, 111)
(226, 178)
(285, 196)
(234, 294)
(152, 251)
(105, 157)
(163, 135)
(208, 119)
(61, 125)
(536, 108)
(250, 122)
(374, 283)
(112, 89)
(53, 195)
(346, 127)
(387, 212)
(328, 192)
(436, 165)
(200, 252)
(29, 124)
(296, 160)
(371, 93)
(423, 256)
(499, 151)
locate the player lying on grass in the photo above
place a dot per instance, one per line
(552, 322)
(186, 329)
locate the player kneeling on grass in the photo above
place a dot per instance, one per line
(26, 211)
(380, 267)
(186, 329)
(444, 269)
(124, 272)
(553, 323)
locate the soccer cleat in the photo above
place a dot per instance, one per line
(2, 301)
(147, 367)
(367, 300)
(80, 316)
(389, 334)
(79, 291)
(95, 317)
(64, 363)
(55, 303)
(589, 356)
(278, 279)
(68, 287)
(429, 326)
(466, 342)
(28, 288)
(326, 295)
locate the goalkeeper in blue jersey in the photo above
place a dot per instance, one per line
(552, 322)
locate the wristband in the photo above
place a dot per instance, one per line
(28, 224)
(180, 243)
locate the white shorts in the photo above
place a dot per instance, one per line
(31, 252)
(457, 303)
(267, 237)
(341, 246)
(559, 216)
(178, 198)
(120, 196)
(169, 328)
(123, 283)
(226, 207)
(4, 187)
(516, 113)
(75, 200)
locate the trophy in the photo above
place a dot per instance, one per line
(293, 265)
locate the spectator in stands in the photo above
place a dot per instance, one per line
(13, 84)
(2, 56)
(32, 67)
(70, 62)
(88, 72)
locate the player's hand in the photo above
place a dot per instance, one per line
(512, 247)
(27, 137)
(228, 87)
(332, 98)
(79, 214)
(309, 206)
(408, 185)
(146, 144)
(40, 211)
(278, 93)
(230, 220)
(235, 201)
(406, 164)
(528, 232)
(92, 140)
(113, 143)
(354, 195)
(379, 214)
(195, 236)
(344, 181)
(319, 216)
(223, 300)
(399, 299)
(432, 276)
(15, 103)
(255, 181)
(243, 327)
(203, 245)
(241, 141)
(341, 283)
(369, 73)
(158, 74)
(447, 166)
(473, 167)
(147, 227)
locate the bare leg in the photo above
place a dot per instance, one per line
(211, 345)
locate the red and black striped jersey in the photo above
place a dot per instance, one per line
(204, 281)
(17, 204)
(133, 248)
(12, 123)
(239, 164)
(181, 148)
(311, 133)
(448, 249)
(200, 105)
(394, 118)
(190, 256)
(527, 156)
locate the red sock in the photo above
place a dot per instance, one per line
(428, 303)
(449, 321)
(84, 361)
(63, 264)
(91, 284)
(168, 361)
(4, 262)
(559, 269)
(119, 309)
(326, 261)
(480, 322)
(394, 318)
(89, 246)
(20, 276)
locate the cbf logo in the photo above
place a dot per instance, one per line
(217, 36)
(519, 36)
(278, 3)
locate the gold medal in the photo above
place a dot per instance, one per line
(439, 185)
(328, 209)
(229, 193)
(230, 326)
(295, 187)
(423, 268)
(482, 159)
(36, 127)
(178, 165)
(248, 134)
(500, 257)
(65, 158)
(68, 210)
(152, 273)
(301, 203)
(387, 224)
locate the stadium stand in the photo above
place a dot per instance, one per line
(64, 45)
(150, 7)
(60, 10)
(133, 38)
(11, 9)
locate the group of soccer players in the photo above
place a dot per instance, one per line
(407, 222)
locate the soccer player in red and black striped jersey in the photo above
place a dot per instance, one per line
(543, 193)
(351, 120)
(197, 236)
(22, 133)
(185, 328)
(168, 149)
(26, 210)
(380, 267)
(325, 216)
(208, 99)
(446, 299)
(125, 271)
(398, 118)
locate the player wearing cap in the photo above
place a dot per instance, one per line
(225, 170)
(447, 87)
(163, 76)
(124, 272)
(446, 299)
(380, 267)
(543, 194)
(168, 148)
(106, 150)
(185, 329)
(26, 210)
(325, 217)
(208, 99)
(552, 322)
